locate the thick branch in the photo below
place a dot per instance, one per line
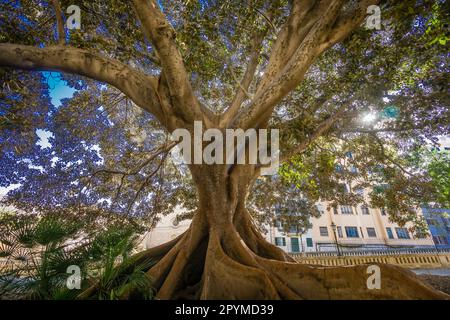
(134, 84)
(321, 129)
(162, 35)
(293, 72)
(312, 35)
(347, 22)
(289, 38)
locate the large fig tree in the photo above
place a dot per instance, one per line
(331, 83)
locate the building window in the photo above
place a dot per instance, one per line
(389, 233)
(323, 231)
(339, 231)
(293, 229)
(280, 241)
(402, 233)
(278, 225)
(346, 210)
(440, 240)
(383, 211)
(371, 233)
(295, 245)
(351, 232)
(309, 242)
(365, 210)
(335, 211)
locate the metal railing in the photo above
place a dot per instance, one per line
(373, 252)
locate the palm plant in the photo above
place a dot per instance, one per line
(111, 251)
(36, 251)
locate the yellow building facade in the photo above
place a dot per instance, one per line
(349, 228)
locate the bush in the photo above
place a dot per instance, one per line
(37, 250)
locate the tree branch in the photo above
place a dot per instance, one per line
(299, 148)
(347, 22)
(277, 86)
(139, 87)
(362, 130)
(289, 38)
(302, 40)
(321, 129)
(145, 183)
(383, 151)
(162, 35)
(158, 151)
(162, 149)
(59, 22)
(249, 74)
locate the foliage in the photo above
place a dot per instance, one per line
(101, 141)
(439, 170)
(437, 164)
(284, 203)
(36, 251)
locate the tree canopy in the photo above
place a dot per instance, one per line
(103, 146)
(352, 104)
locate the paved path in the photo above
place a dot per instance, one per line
(436, 272)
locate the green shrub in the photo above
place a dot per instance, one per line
(36, 251)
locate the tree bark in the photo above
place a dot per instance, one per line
(138, 86)
(223, 256)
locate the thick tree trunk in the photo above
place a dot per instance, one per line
(223, 256)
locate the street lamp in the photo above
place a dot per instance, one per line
(333, 226)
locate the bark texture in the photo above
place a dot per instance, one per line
(223, 256)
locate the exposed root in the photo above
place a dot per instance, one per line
(233, 271)
(254, 240)
(168, 273)
(224, 278)
(219, 264)
(237, 248)
(268, 250)
(313, 282)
